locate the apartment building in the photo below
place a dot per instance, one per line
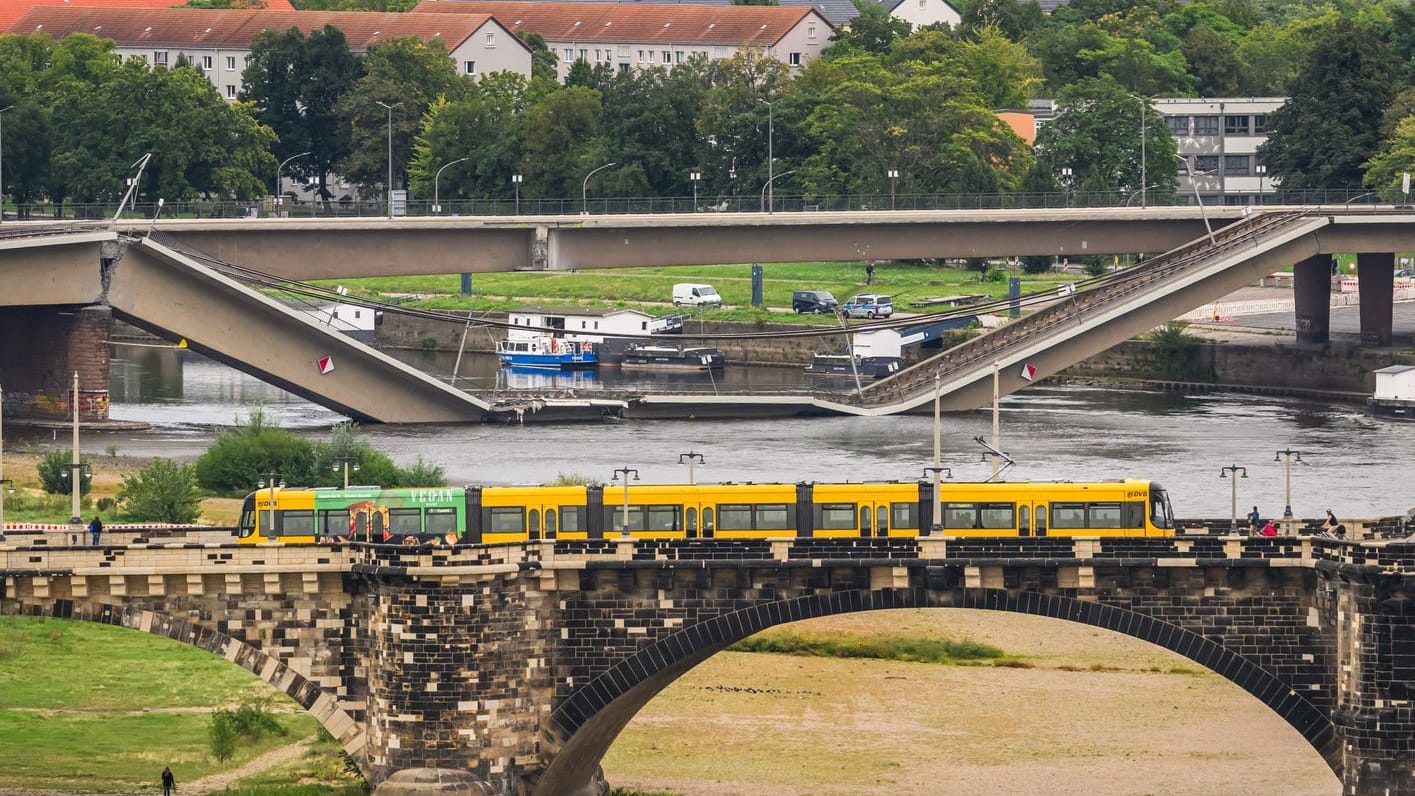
(1220, 138)
(635, 35)
(917, 13)
(12, 10)
(220, 41)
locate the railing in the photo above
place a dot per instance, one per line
(653, 205)
(1122, 285)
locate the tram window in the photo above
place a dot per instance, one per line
(960, 515)
(442, 521)
(334, 523)
(1024, 519)
(1041, 520)
(904, 515)
(247, 525)
(296, 523)
(1068, 515)
(572, 518)
(772, 517)
(361, 525)
(504, 519)
(882, 520)
(865, 524)
(550, 522)
(405, 522)
(663, 518)
(835, 516)
(1134, 514)
(614, 517)
(997, 515)
(1159, 510)
(691, 520)
(707, 520)
(1104, 515)
(735, 516)
(535, 522)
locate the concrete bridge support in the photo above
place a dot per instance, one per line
(1312, 298)
(1377, 272)
(42, 347)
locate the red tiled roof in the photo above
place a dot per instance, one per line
(182, 27)
(12, 10)
(634, 22)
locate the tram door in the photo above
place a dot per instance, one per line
(1039, 519)
(533, 527)
(874, 520)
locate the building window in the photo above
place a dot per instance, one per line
(1260, 124)
(811, 30)
(678, 57)
(1178, 125)
(159, 57)
(667, 57)
(569, 55)
(491, 38)
(584, 55)
(230, 62)
(1235, 125)
(1205, 125)
(230, 91)
(794, 59)
(207, 62)
(641, 56)
(1235, 165)
(623, 66)
(469, 67)
(1206, 163)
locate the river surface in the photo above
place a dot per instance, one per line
(1357, 465)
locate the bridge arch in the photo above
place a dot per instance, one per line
(582, 728)
(308, 694)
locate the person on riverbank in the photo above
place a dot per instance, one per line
(169, 782)
(869, 273)
(1255, 519)
(1269, 529)
(95, 529)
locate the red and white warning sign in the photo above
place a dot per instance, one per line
(326, 365)
(1029, 372)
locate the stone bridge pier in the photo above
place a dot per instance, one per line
(511, 669)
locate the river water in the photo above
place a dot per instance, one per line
(1357, 465)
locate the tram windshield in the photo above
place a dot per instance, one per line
(247, 523)
(1161, 515)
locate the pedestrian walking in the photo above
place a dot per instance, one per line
(169, 782)
(95, 528)
(1255, 520)
(869, 273)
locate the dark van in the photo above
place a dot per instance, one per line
(813, 301)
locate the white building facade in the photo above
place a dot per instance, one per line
(1219, 139)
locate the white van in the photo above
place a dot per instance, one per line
(687, 293)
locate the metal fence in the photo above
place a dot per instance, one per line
(654, 205)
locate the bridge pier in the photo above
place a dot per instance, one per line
(42, 347)
(1375, 710)
(1377, 291)
(1312, 298)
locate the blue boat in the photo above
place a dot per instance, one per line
(546, 353)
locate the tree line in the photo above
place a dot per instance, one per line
(881, 100)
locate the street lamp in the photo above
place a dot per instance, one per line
(2, 160)
(1066, 180)
(766, 189)
(1237, 473)
(279, 183)
(1287, 508)
(516, 181)
(770, 134)
(76, 468)
(436, 207)
(1139, 193)
(893, 175)
(1189, 166)
(345, 461)
(389, 187)
(6, 485)
(584, 188)
(695, 176)
(273, 480)
(1346, 208)
(691, 457)
(626, 472)
(1144, 174)
(1262, 171)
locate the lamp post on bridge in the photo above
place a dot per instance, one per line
(1144, 171)
(767, 194)
(1287, 508)
(389, 188)
(893, 175)
(345, 461)
(691, 457)
(280, 183)
(2, 161)
(585, 187)
(516, 181)
(770, 136)
(436, 204)
(695, 176)
(1233, 511)
(1262, 171)
(626, 472)
(271, 479)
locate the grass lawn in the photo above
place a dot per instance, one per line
(651, 289)
(86, 707)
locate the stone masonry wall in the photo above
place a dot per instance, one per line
(42, 347)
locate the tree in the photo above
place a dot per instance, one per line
(404, 72)
(873, 30)
(1331, 123)
(1004, 72)
(1096, 133)
(221, 735)
(1385, 172)
(54, 473)
(648, 117)
(163, 491)
(485, 128)
(1213, 63)
(544, 62)
(561, 142)
(296, 84)
(1015, 18)
(245, 453)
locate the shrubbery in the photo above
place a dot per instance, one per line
(163, 491)
(250, 722)
(54, 473)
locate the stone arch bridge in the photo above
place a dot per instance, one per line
(510, 669)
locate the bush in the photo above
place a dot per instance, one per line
(1036, 263)
(54, 472)
(221, 735)
(1095, 265)
(422, 474)
(996, 275)
(163, 491)
(244, 454)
